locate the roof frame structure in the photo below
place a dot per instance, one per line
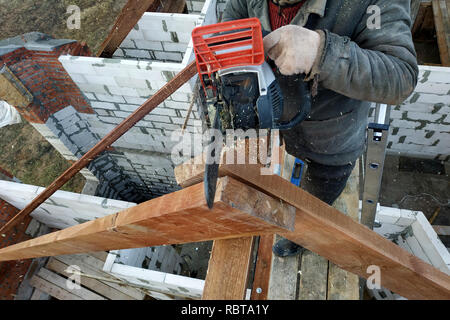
(246, 204)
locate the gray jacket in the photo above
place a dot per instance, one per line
(357, 64)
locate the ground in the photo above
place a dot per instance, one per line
(417, 184)
(50, 17)
(23, 151)
(30, 158)
(196, 255)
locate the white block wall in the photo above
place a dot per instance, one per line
(63, 209)
(196, 6)
(420, 126)
(412, 231)
(162, 286)
(159, 36)
(117, 87)
(61, 148)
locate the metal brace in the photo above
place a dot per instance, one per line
(378, 133)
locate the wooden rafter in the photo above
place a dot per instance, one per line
(228, 269)
(415, 6)
(261, 280)
(441, 11)
(442, 230)
(336, 237)
(128, 18)
(179, 217)
(172, 6)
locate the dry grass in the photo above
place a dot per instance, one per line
(29, 157)
(50, 17)
(23, 151)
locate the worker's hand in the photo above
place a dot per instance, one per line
(293, 49)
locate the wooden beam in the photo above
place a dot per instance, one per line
(61, 282)
(168, 6)
(261, 279)
(415, 6)
(228, 269)
(92, 284)
(47, 287)
(131, 13)
(179, 217)
(442, 230)
(93, 266)
(173, 6)
(336, 237)
(155, 6)
(283, 278)
(191, 172)
(424, 21)
(39, 295)
(441, 11)
(314, 276)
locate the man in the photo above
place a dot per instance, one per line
(350, 59)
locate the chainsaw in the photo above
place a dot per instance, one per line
(240, 88)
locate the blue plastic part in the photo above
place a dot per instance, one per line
(297, 172)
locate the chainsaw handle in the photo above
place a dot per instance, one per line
(305, 97)
(305, 106)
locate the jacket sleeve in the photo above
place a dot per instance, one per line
(379, 65)
(234, 10)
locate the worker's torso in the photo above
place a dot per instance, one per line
(334, 133)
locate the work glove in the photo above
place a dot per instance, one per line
(293, 49)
